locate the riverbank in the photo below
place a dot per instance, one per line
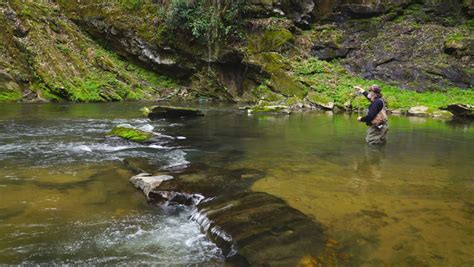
(99, 52)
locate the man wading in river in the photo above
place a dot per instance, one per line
(376, 117)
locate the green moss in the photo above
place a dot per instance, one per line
(470, 24)
(263, 92)
(130, 134)
(456, 37)
(272, 40)
(319, 98)
(269, 109)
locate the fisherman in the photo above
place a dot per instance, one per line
(376, 117)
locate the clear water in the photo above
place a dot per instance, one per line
(65, 197)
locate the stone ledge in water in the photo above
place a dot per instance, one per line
(461, 110)
(258, 229)
(419, 111)
(252, 228)
(172, 112)
(131, 134)
(147, 182)
(280, 109)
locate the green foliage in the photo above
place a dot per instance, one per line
(456, 37)
(470, 24)
(7, 95)
(131, 134)
(208, 21)
(263, 92)
(63, 48)
(131, 4)
(272, 40)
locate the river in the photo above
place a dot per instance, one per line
(65, 196)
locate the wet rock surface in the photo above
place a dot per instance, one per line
(171, 112)
(258, 229)
(252, 228)
(461, 110)
(131, 134)
(147, 182)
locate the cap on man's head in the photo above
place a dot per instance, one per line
(375, 88)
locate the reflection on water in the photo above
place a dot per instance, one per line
(406, 204)
(65, 197)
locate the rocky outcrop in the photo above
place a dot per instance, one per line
(408, 47)
(49, 58)
(49, 55)
(300, 12)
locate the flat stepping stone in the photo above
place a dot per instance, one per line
(147, 182)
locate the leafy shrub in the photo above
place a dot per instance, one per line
(209, 21)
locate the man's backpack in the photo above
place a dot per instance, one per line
(381, 117)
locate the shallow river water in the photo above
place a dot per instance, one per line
(65, 196)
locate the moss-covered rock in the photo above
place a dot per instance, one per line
(171, 112)
(267, 51)
(321, 100)
(50, 58)
(131, 134)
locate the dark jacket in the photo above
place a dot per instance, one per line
(374, 108)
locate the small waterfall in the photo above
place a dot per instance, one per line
(214, 232)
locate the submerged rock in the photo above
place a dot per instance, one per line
(258, 229)
(140, 164)
(131, 134)
(172, 112)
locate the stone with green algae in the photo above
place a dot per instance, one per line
(131, 134)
